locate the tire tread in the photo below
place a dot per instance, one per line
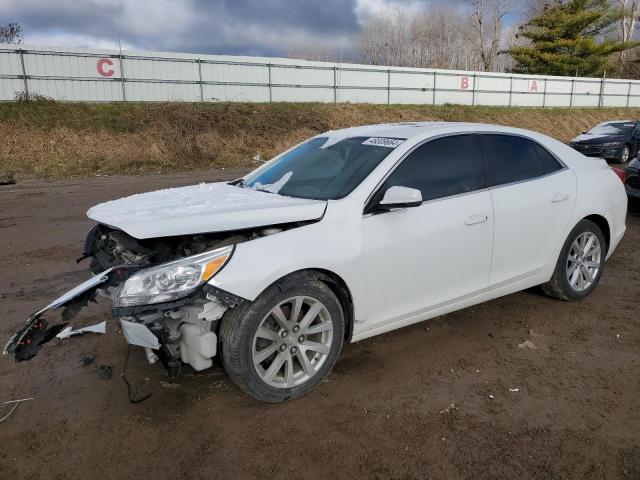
(233, 331)
(556, 287)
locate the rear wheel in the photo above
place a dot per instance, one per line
(285, 342)
(625, 154)
(579, 267)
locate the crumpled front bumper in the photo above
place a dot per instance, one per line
(26, 342)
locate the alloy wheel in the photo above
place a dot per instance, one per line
(624, 157)
(292, 342)
(583, 262)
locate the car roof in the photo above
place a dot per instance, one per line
(408, 130)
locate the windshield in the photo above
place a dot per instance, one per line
(324, 172)
(614, 128)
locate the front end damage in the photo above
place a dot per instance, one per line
(159, 291)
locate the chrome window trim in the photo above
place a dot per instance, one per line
(376, 189)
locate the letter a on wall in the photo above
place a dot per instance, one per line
(533, 86)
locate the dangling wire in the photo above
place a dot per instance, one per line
(17, 402)
(129, 391)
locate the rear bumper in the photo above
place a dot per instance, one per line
(632, 192)
(616, 217)
(632, 182)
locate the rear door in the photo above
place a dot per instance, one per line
(533, 196)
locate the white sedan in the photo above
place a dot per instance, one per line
(347, 235)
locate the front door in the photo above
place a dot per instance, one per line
(418, 259)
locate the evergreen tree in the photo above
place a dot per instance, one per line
(569, 38)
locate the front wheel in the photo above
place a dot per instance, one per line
(579, 267)
(284, 343)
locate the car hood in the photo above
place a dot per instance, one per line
(587, 138)
(203, 208)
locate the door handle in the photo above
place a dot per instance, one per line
(475, 219)
(560, 197)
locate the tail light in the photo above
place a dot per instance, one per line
(620, 173)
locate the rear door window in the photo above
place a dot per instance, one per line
(510, 159)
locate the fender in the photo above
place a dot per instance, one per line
(336, 247)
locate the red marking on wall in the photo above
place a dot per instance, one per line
(533, 86)
(464, 83)
(104, 67)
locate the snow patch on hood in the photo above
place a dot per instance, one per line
(203, 208)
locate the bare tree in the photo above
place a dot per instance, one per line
(628, 21)
(441, 37)
(384, 40)
(316, 53)
(438, 38)
(11, 33)
(487, 17)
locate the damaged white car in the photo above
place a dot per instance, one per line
(348, 235)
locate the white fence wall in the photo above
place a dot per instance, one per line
(108, 75)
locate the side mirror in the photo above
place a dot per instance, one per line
(400, 197)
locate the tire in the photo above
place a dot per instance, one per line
(243, 347)
(565, 283)
(625, 155)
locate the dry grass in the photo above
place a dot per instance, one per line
(49, 139)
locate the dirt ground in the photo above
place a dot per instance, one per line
(385, 411)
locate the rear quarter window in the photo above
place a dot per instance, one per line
(548, 163)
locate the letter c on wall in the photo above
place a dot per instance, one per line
(104, 67)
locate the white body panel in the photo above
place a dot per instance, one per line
(403, 284)
(426, 256)
(405, 265)
(530, 217)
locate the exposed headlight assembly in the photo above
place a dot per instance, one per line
(171, 281)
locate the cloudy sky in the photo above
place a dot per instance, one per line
(241, 27)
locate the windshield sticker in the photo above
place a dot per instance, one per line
(383, 142)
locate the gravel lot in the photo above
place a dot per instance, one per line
(435, 400)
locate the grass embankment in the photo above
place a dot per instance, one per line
(51, 139)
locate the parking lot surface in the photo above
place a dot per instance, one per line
(520, 387)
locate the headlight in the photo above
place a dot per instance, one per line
(634, 163)
(612, 144)
(171, 281)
